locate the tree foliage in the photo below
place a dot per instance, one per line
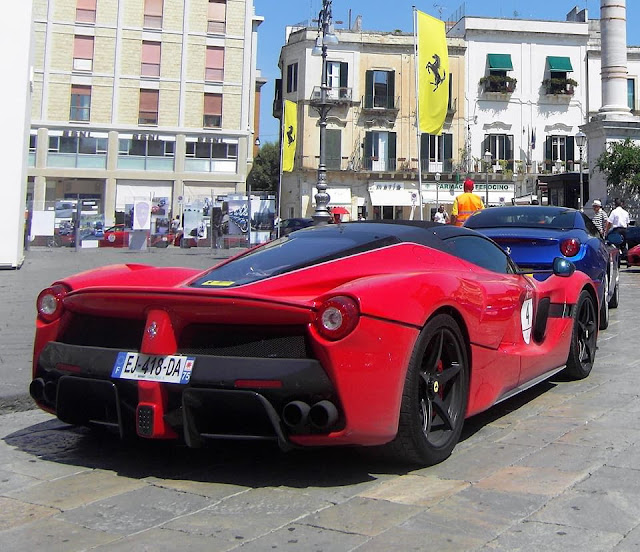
(620, 164)
(265, 173)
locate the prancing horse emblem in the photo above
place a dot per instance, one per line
(434, 67)
(152, 330)
(290, 137)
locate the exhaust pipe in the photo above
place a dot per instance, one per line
(50, 392)
(323, 414)
(295, 413)
(36, 389)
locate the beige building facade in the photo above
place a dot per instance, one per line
(375, 157)
(142, 99)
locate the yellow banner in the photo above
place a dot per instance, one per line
(433, 73)
(289, 135)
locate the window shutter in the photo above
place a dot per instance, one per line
(86, 5)
(571, 150)
(213, 104)
(153, 7)
(391, 89)
(424, 149)
(368, 149)
(486, 145)
(217, 10)
(334, 149)
(344, 74)
(83, 47)
(548, 153)
(368, 89)
(150, 52)
(149, 101)
(392, 151)
(448, 147)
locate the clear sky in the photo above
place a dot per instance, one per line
(389, 15)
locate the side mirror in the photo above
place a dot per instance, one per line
(563, 267)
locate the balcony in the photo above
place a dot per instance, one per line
(380, 104)
(334, 96)
(555, 87)
(498, 84)
(378, 164)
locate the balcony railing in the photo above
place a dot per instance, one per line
(341, 95)
(559, 86)
(498, 83)
(378, 164)
(378, 104)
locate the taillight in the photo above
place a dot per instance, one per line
(570, 247)
(49, 303)
(337, 317)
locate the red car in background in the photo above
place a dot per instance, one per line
(118, 236)
(364, 333)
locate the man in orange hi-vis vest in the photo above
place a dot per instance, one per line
(465, 204)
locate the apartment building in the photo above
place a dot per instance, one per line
(372, 145)
(142, 99)
(519, 89)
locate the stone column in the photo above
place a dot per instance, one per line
(613, 30)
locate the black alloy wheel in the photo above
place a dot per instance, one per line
(583, 337)
(615, 298)
(434, 400)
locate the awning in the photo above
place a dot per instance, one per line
(500, 62)
(339, 211)
(559, 63)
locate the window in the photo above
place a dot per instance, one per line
(33, 142)
(212, 111)
(80, 103)
(214, 70)
(631, 94)
(380, 89)
(333, 156)
(215, 150)
(148, 112)
(82, 53)
(337, 74)
(146, 154)
(153, 14)
(86, 11)
(84, 151)
(292, 77)
(559, 81)
(481, 252)
(436, 152)
(150, 66)
(379, 151)
(560, 147)
(501, 148)
(498, 80)
(217, 16)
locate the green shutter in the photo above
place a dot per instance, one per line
(368, 149)
(334, 149)
(448, 147)
(392, 151)
(368, 89)
(391, 89)
(344, 74)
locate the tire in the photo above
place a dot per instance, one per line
(604, 308)
(162, 244)
(584, 337)
(615, 298)
(434, 399)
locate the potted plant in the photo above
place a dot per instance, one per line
(498, 83)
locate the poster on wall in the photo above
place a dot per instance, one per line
(238, 216)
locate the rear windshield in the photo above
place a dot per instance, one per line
(523, 217)
(288, 253)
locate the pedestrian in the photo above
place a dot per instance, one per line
(465, 204)
(441, 216)
(599, 216)
(175, 224)
(618, 221)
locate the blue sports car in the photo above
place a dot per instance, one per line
(534, 235)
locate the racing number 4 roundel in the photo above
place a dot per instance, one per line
(526, 318)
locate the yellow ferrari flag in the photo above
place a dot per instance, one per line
(433, 73)
(289, 135)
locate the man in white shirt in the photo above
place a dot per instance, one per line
(441, 216)
(619, 220)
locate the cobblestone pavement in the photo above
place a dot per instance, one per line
(556, 468)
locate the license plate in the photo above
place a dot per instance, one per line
(161, 368)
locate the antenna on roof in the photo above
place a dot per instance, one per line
(440, 9)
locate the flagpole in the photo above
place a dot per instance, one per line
(418, 133)
(279, 191)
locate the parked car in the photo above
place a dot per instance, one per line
(633, 256)
(118, 236)
(364, 333)
(535, 235)
(625, 243)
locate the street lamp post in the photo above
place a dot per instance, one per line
(487, 161)
(581, 142)
(437, 177)
(326, 36)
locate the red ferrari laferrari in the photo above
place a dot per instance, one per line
(364, 333)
